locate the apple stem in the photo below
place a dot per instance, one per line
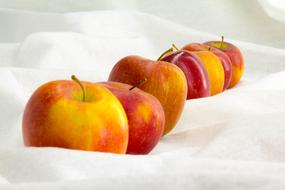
(164, 53)
(75, 79)
(210, 48)
(222, 43)
(139, 83)
(175, 47)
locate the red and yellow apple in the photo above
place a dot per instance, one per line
(224, 59)
(215, 70)
(145, 116)
(196, 75)
(165, 81)
(235, 56)
(65, 114)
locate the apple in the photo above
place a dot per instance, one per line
(215, 70)
(235, 56)
(145, 116)
(197, 77)
(75, 115)
(165, 81)
(224, 59)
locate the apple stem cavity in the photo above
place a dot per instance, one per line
(210, 48)
(164, 53)
(139, 83)
(75, 79)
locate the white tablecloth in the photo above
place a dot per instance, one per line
(234, 140)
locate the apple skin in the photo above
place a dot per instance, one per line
(145, 116)
(56, 116)
(224, 59)
(235, 56)
(197, 77)
(165, 81)
(215, 70)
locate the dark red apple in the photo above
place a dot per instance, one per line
(197, 77)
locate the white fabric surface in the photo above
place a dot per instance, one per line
(274, 8)
(234, 140)
(246, 20)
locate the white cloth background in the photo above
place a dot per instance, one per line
(234, 140)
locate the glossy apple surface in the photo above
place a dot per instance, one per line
(57, 116)
(196, 75)
(224, 59)
(235, 56)
(215, 70)
(145, 116)
(165, 81)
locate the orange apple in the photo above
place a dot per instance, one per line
(165, 81)
(145, 116)
(224, 59)
(65, 114)
(235, 56)
(215, 70)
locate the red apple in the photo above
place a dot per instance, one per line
(165, 81)
(235, 56)
(65, 114)
(224, 59)
(145, 116)
(195, 73)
